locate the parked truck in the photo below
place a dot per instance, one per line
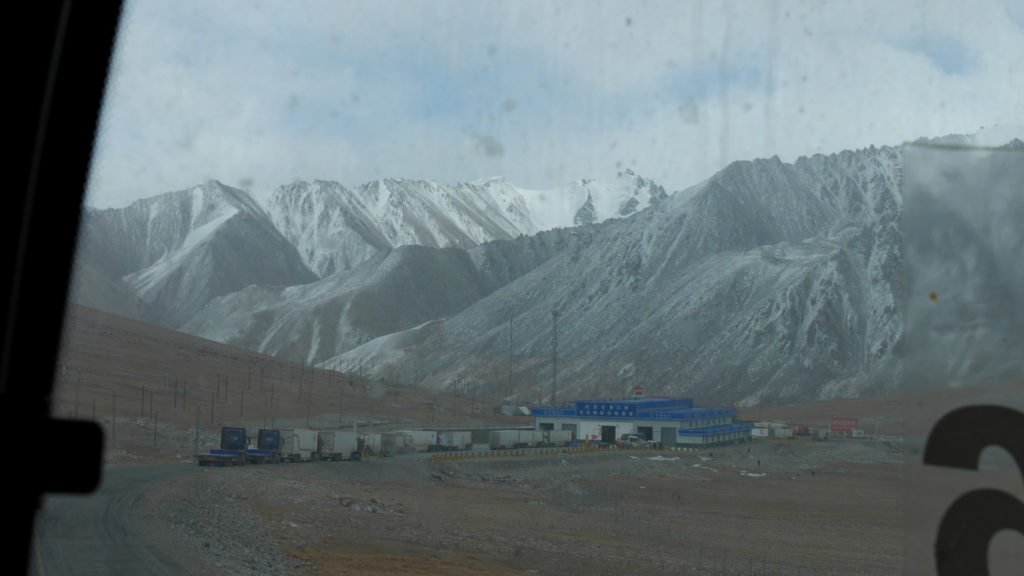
(423, 440)
(232, 451)
(299, 444)
(511, 439)
(268, 448)
(371, 443)
(339, 445)
(450, 440)
(503, 439)
(558, 437)
(530, 438)
(395, 443)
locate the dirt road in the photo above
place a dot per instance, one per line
(97, 533)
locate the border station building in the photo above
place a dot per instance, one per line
(668, 421)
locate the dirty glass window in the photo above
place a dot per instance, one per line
(551, 287)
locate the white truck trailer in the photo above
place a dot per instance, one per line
(510, 439)
(339, 445)
(371, 443)
(423, 440)
(531, 438)
(450, 440)
(394, 443)
(558, 437)
(299, 444)
(503, 439)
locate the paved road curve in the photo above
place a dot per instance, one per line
(92, 534)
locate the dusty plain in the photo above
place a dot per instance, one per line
(767, 507)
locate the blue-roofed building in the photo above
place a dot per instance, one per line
(666, 421)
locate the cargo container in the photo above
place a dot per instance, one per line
(530, 438)
(395, 443)
(503, 439)
(268, 448)
(423, 440)
(371, 443)
(509, 439)
(558, 437)
(339, 445)
(782, 433)
(232, 451)
(451, 440)
(299, 444)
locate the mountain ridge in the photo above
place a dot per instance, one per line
(769, 282)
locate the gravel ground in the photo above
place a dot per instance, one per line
(208, 524)
(809, 508)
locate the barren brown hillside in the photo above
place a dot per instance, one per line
(144, 375)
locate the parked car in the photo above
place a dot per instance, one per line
(634, 440)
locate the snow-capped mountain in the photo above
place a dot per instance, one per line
(335, 228)
(387, 294)
(772, 282)
(176, 251)
(769, 282)
(587, 201)
(391, 292)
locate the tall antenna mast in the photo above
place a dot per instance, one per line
(554, 362)
(508, 382)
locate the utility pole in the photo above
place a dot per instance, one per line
(508, 383)
(554, 360)
(113, 423)
(195, 449)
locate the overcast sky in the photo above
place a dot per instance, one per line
(257, 95)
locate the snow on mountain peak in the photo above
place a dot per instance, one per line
(336, 228)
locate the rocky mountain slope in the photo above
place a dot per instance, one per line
(176, 251)
(768, 283)
(772, 283)
(335, 228)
